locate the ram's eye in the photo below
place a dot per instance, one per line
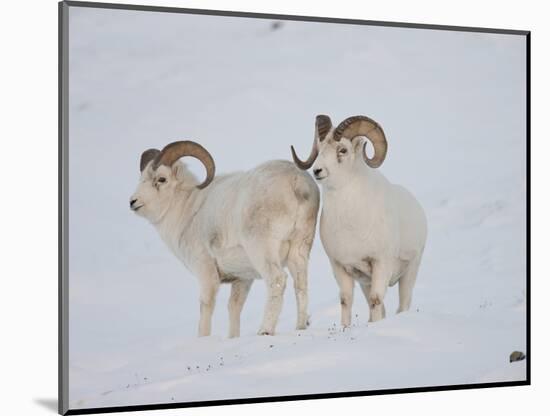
(161, 180)
(342, 151)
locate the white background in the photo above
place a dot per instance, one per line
(29, 302)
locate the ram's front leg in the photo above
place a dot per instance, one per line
(209, 284)
(381, 273)
(346, 284)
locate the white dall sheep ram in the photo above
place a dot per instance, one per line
(373, 231)
(233, 228)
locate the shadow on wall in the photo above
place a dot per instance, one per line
(49, 404)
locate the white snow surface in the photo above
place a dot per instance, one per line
(453, 108)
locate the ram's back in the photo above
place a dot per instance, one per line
(273, 194)
(264, 202)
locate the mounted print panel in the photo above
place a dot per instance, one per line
(203, 261)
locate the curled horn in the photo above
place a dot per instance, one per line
(146, 157)
(173, 151)
(322, 127)
(356, 126)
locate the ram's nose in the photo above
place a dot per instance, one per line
(132, 202)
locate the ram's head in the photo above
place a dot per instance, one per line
(336, 150)
(162, 174)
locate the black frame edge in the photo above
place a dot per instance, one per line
(165, 9)
(63, 318)
(528, 200)
(165, 406)
(59, 248)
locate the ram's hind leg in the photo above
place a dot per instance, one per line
(298, 258)
(307, 197)
(406, 286)
(264, 256)
(239, 293)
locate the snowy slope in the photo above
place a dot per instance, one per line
(452, 105)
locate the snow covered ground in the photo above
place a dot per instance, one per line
(453, 108)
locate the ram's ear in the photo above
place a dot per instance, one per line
(177, 170)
